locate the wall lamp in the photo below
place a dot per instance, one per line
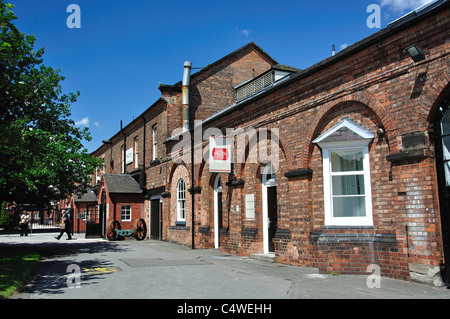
(415, 53)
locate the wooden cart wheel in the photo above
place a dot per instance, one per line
(112, 233)
(139, 229)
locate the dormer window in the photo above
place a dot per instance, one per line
(260, 83)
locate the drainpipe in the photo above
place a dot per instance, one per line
(142, 177)
(186, 127)
(144, 142)
(185, 93)
(124, 148)
(192, 193)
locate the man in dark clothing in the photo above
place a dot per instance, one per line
(65, 226)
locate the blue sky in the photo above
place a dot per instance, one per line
(124, 49)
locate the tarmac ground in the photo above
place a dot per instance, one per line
(98, 269)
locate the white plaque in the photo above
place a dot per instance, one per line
(250, 206)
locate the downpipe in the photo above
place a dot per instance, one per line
(186, 127)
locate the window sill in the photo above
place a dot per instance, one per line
(155, 162)
(179, 227)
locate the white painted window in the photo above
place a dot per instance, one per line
(445, 127)
(82, 215)
(122, 158)
(181, 201)
(346, 175)
(348, 198)
(136, 153)
(125, 212)
(155, 142)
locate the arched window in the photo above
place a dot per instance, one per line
(155, 142)
(269, 175)
(181, 200)
(445, 133)
(136, 152)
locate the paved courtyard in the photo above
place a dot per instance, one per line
(98, 269)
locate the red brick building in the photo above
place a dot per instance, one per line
(360, 175)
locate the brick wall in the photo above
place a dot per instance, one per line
(175, 230)
(377, 87)
(374, 85)
(214, 90)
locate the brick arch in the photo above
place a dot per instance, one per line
(437, 93)
(339, 108)
(172, 171)
(203, 168)
(283, 149)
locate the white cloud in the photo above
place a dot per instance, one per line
(97, 124)
(403, 6)
(244, 32)
(83, 122)
(344, 46)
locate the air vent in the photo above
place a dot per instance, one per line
(259, 83)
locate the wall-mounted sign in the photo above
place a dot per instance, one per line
(250, 206)
(129, 156)
(220, 155)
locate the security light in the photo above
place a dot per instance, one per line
(415, 53)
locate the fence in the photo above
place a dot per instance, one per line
(39, 220)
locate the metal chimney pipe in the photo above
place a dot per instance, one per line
(333, 50)
(185, 93)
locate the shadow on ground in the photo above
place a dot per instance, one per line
(57, 270)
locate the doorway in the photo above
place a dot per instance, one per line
(155, 218)
(95, 221)
(442, 145)
(270, 211)
(217, 210)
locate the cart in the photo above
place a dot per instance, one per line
(115, 232)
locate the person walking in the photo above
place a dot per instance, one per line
(65, 226)
(23, 224)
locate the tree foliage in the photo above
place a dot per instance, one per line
(42, 157)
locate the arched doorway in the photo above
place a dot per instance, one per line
(269, 201)
(442, 143)
(217, 210)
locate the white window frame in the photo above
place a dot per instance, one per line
(181, 201)
(328, 144)
(155, 141)
(136, 154)
(83, 214)
(124, 211)
(327, 149)
(122, 158)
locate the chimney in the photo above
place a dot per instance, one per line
(185, 92)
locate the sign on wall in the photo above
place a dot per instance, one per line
(129, 156)
(250, 206)
(220, 155)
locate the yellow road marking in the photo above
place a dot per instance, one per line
(100, 270)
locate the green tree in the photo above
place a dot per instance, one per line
(42, 157)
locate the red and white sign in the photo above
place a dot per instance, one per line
(219, 155)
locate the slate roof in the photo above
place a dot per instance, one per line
(345, 130)
(88, 197)
(121, 184)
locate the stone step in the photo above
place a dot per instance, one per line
(270, 257)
